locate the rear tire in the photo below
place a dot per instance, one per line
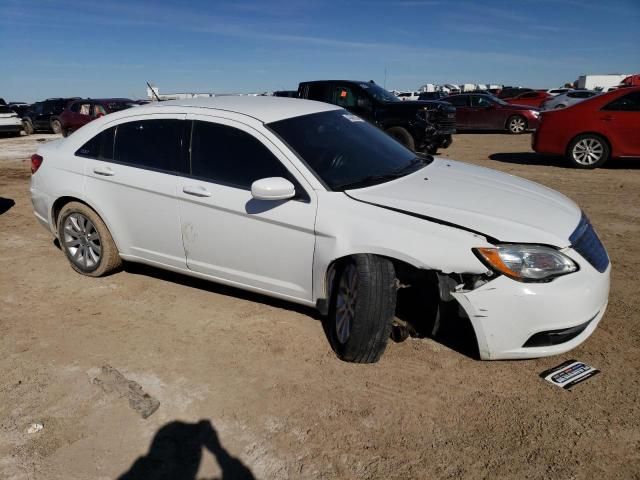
(516, 124)
(403, 136)
(56, 126)
(66, 132)
(363, 304)
(588, 151)
(86, 241)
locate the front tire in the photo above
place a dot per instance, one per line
(403, 136)
(516, 124)
(27, 126)
(86, 241)
(362, 308)
(588, 151)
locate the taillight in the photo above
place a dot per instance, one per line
(36, 161)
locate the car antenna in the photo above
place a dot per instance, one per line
(153, 91)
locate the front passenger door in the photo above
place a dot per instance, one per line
(264, 245)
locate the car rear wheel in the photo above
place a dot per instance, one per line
(362, 308)
(27, 127)
(66, 132)
(86, 241)
(516, 124)
(403, 136)
(588, 151)
(56, 126)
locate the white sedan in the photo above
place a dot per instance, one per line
(306, 202)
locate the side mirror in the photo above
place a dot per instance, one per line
(272, 188)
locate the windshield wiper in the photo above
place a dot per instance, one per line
(371, 180)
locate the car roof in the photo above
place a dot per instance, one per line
(264, 109)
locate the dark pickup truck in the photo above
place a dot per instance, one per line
(422, 126)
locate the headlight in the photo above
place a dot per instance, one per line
(526, 263)
(535, 113)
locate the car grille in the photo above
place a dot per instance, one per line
(585, 241)
(444, 119)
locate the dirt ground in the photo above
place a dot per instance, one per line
(249, 386)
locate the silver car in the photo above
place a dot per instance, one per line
(567, 99)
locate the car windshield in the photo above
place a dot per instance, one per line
(346, 152)
(379, 93)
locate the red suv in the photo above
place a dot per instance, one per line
(478, 111)
(590, 132)
(81, 112)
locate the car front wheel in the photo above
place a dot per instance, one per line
(588, 151)
(403, 136)
(516, 124)
(362, 308)
(86, 241)
(27, 127)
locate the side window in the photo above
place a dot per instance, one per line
(75, 107)
(226, 155)
(99, 147)
(344, 97)
(319, 92)
(84, 108)
(479, 101)
(458, 101)
(154, 144)
(626, 103)
(98, 110)
(38, 109)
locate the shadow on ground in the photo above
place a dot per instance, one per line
(210, 286)
(6, 204)
(176, 452)
(531, 158)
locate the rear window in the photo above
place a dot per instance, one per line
(117, 106)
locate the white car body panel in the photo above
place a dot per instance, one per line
(10, 122)
(285, 248)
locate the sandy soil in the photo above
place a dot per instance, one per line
(249, 386)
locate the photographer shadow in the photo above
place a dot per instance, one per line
(176, 452)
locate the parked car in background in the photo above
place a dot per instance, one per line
(408, 95)
(476, 111)
(305, 202)
(567, 99)
(558, 91)
(531, 99)
(422, 126)
(593, 131)
(9, 121)
(508, 92)
(19, 107)
(80, 112)
(432, 95)
(44, 115)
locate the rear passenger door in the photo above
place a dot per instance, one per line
(131, 176)
(229, 235)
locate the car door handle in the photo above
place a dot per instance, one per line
(196, 191)
(104, 171)
(606, 118)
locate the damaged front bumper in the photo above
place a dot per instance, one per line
(515, 320)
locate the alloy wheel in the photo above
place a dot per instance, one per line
(588, 151)
(346, 303)
(517, 125)
(82, 241)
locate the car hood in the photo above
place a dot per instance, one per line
(497, 205)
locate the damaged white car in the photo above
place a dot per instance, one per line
(306, 202)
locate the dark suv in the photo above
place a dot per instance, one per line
(43, 116)
(422, 126)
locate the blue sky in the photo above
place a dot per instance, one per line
(112, 47)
